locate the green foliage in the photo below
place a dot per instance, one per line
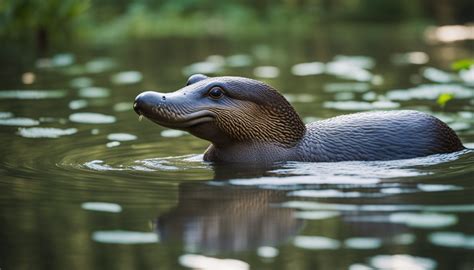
(462, 64)
(444, 98)
(25, 17)
(111, 19)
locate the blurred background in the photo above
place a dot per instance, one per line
(109, 21)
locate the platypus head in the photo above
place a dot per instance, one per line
(225, 110)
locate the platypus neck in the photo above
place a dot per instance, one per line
(287, 128)
(276, 125)
(254, 153)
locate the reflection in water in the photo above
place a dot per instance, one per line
(124, 237)
(212, 219)
(208, 263)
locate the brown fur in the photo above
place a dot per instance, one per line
(247, 121)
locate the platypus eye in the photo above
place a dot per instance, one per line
(216, 92)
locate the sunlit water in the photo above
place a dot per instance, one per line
(86, 185)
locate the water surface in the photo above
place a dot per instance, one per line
(85, 185)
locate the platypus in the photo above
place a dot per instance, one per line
(248, 121)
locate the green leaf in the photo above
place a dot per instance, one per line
(462, 64)
(444, 98)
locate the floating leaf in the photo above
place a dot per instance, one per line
(239, 60)
(424, 220)
(112, 144)
(100, 65)
(125, 237)
(77, 104)
(452, 240)
(306, 69)
(266, 72)
(267, 252)
(437, 75)
(430, 91)
(196, 261)
(462, 64)
(91, 118)
(127, 77)
(363, 243)
(205, 67)
(316, 242)
(18, 121)
(444, 98)
(62, 59)
(81, 82)
(402, 261)
(121, 137)
(467, 75)
(102, 207)
(171, 133)
(4, 115)
(94, 92)
(31, 94)
(39, 132)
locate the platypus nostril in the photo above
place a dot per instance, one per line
(135, 108)
(147, 100)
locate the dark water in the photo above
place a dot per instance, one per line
(109, 192)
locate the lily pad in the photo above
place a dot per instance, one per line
(112, 144)
(267, 252)
(356, 60)
(431, 92)
(239, 60)
(325, 193)
(102, 207)
(125, 237)
(316, 215)
(94, 92)
(31, 94)
(99, 65)
(363, 243)
(172, 133)
(81, 82)
(121, 137)
(18, 121)
(266, 72)
(196, 261)
(78, 104)
(402, 261)
(40, 132)
(347, 87)
(123, 106)
(316, 242)
(424, 220)
(127, 77)
(307, 69)
(452, 240)
(92, 118)
(437, 75)
(204, 68)
(5, 115)
(345, 71)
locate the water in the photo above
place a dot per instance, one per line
(85, 185)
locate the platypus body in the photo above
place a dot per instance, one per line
(248, 121)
